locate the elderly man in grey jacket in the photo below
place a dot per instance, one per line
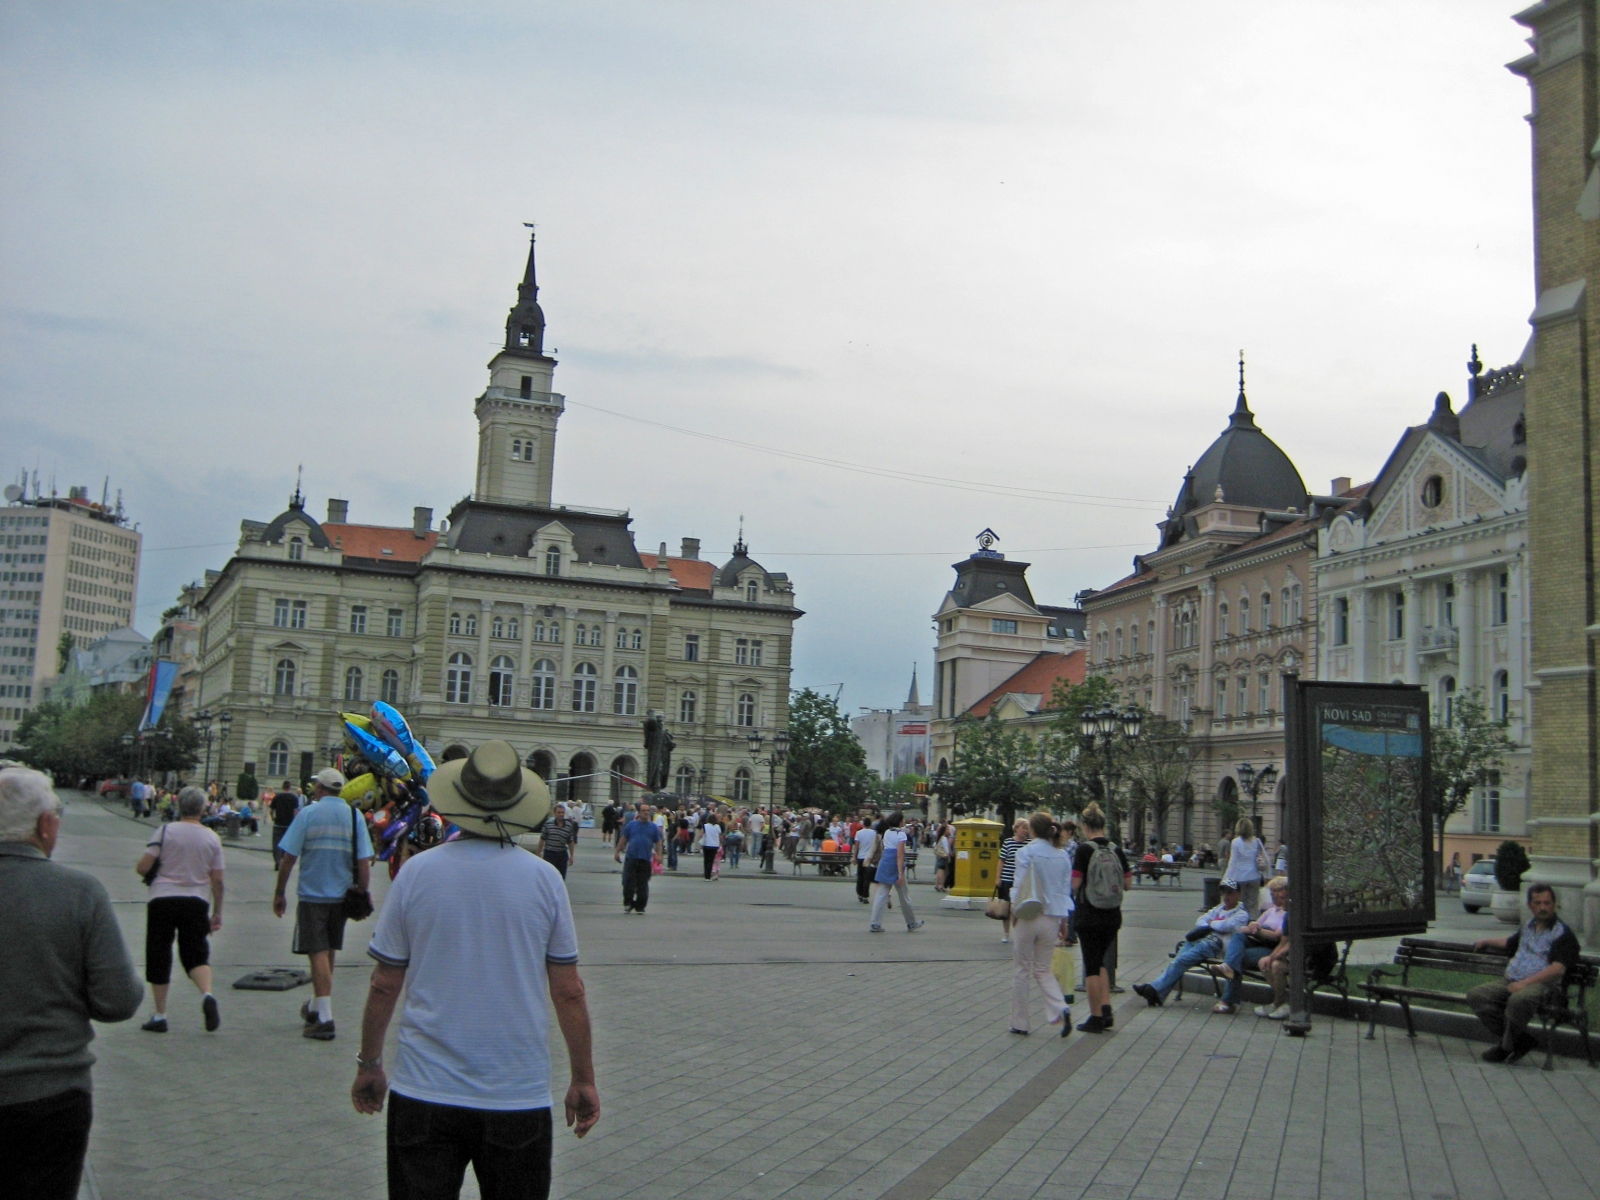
(65, 964)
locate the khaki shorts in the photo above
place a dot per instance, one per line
(318, 927)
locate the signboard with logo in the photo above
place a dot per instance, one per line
(911, 746)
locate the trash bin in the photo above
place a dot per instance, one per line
(1213, 886)
(231, 824)
(977, 852)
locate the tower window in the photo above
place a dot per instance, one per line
(752, 590)
(527, 387)
(297, 548)
(1000, 625)
(552, 560)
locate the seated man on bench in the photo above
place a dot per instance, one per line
(1262, 945)
(1541, 952)
(1205, 941)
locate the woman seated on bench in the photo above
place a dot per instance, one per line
(1262, 945)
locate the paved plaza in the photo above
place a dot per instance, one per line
(753, 1040)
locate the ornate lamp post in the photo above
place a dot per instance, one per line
(780, 752)
(226, 722)
(127, 745)
(202, 726)
(1255, 782)
(1103, 732)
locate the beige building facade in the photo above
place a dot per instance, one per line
(516, 618)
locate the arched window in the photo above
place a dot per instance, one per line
(513, 628)
(752, 590)
(497, 626)
(1266, 610)
(1150, 639)
(297, 548)
(502, 681)
(684, 784)
(538, 631)
(553, 633)
(741, 786)
(686, 708)
(638, 639)
(625, 698)
(622, 638)
(552, 560)
(584, 685)
(458, 680)
(352, 683)
(455, 623)
(1222, 619)
(1244, 614)
(544, 684)
(389, 689)
(1447, 699)
(745, 710)
(472, 624)
(1502, 696)
(278, 759)
(283, 677)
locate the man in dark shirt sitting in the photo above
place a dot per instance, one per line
(1541, 951)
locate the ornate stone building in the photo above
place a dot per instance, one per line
(1210, 622)
(515, 618)
(1424, 580)
(1564, 453)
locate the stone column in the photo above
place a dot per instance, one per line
(564, 685)
(1360, 607)
(1413, 628)
(608, 665)
(1205, 685)
(1467, 628)
(480, 677)
(1163, 636)
(524, 694)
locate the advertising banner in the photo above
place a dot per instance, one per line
(163, 673)
(911, 746)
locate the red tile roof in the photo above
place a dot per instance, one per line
(694, 573)
(1038, 678)
(370, 541)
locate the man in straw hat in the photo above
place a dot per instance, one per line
(479, 934)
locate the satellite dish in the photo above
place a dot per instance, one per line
(13, 492)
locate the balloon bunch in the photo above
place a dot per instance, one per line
(394, 788)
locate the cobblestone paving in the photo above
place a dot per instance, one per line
(752, 1040)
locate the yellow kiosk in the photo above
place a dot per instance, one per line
(977, 863)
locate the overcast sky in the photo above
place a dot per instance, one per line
(1013, 245)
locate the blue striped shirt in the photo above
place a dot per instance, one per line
(320, 839)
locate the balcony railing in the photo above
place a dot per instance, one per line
(1437, 638)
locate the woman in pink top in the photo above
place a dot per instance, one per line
(183, 866)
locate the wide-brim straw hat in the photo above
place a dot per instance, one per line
(490, 793)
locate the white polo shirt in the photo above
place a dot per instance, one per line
(474, 923)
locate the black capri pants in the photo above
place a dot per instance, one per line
(187, 916)
(1097, 941)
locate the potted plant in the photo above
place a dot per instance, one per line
(1510, 864)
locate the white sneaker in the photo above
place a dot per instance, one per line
(1263, 1010)
(1278, 1013)
(1004, 940)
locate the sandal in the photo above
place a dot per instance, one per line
(1224, 1009)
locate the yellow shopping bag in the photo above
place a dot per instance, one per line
(1062, 966)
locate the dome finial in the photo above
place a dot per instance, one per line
(1243, 406)
(1242, 417)
(740, 550)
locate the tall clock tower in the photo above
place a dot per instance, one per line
(517, 412)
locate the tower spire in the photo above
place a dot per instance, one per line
(525, 325)
(914, 698)
(1242, 417)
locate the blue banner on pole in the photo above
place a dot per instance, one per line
(163, 673)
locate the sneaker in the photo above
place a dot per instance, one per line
(1092, 1025)
(913, 928)
(1004, 941)
(322, 1031)
(208, 1006)
(1151, 996)
(155, 1025)
(306, 1015)
(1495, 1054)
(1264, 1010)
(1279, 1013)
(874, 928)
(1020, 1032)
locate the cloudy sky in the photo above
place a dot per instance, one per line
(997, 260)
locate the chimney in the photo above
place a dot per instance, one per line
(1341, 485)
(338, 512)
(421, 521)
(691, 548)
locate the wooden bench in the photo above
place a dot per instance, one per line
(1559, 1008)
(1156, 872)
(1324, 969)
(827, 862)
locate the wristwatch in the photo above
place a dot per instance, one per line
(367, 1064)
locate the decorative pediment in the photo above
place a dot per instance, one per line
(1438, 483)
(1015, 706)
(1007, 602)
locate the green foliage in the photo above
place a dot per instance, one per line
(64, 651)
(887, 795)
(247, 788)
(86, 742)
(1510, 864)
(1464, 753)
(827, 768)
(1157, 767)
(996, 768)
(1228, 810)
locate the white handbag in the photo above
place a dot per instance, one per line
(1026, 900)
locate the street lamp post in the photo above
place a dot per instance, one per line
(127, 745)
(202, 726)
(780, 752)
(1103, 731)
(1255, 782)
(226, 722)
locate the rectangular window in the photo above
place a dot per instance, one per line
(755, 654)
(1502, 598)
(1447, 605)
(297, 614)
(358, 618)
(1222, 697)
(527, 387)
(397, 623)
(1397, 617)
(997, 625)
(691, 647)
(1244, 694)
(1341, 621)
(1264, 694)
(280, 613)
(741, 652)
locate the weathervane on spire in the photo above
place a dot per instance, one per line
(986, 541)
(740, 550)
(297, 500)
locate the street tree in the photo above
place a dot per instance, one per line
(996, 767)
(1158, 766)
(1466, 753)
(826, 767)
(86, 742)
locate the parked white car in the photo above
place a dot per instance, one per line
(1477, 885)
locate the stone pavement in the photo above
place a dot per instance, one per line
(753, 1040)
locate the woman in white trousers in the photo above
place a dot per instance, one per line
(1043, 870)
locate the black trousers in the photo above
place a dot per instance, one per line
(711, 858)
(558, 860)
(635, 883)
(42, 1144)
(187, 916)
(430, 1146)
(863, 880)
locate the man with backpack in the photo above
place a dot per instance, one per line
(1100, 879)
